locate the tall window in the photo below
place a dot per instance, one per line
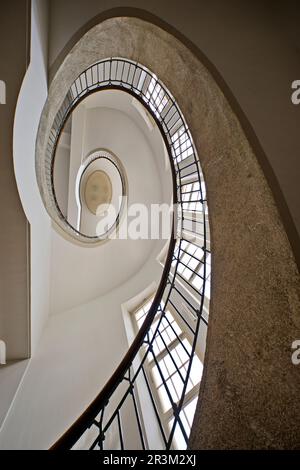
(182, 144)
(157, 97)
(191, 266)
(191, 197)
(167, 369)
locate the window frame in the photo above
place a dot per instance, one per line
(167, 415)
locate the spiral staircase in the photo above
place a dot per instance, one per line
(183, 289)
(118, 344)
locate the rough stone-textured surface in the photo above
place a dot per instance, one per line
(249, 396)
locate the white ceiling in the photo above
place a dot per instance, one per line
(79, 274)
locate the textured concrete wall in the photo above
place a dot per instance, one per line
(252, 50)
(249, 394)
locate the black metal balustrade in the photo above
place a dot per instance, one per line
(183, 286)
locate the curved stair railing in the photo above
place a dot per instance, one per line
(184, 286)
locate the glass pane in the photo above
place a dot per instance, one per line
(178, 441)
(190, 409)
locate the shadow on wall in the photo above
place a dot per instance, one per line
(2, 352)
(2, 92)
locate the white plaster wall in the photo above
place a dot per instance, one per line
(81, 347)
(71, 363)
(10, 378)
(127, 104)
(32, 96)
(71, 366)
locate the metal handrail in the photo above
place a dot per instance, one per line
(135, 79)
(75, 431)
